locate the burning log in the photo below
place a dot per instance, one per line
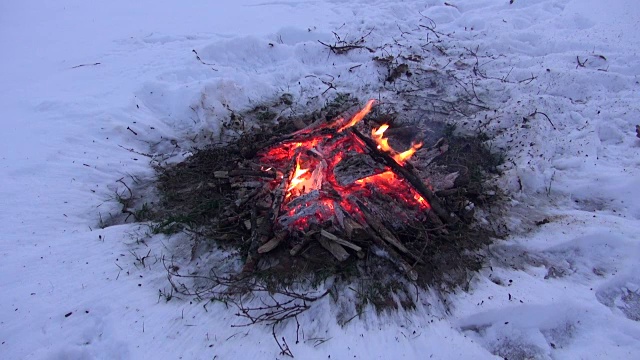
(408, 175)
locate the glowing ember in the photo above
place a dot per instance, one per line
(313, 195)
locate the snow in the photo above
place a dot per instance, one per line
(569, 288)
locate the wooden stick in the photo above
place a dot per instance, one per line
(280, 191)
(408, 175)
(340, 241)
(257, 192)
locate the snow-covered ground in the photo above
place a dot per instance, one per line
(568, 288)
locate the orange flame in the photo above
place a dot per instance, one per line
(383, 144)
(297, 178)
(358, 116)
(378, 137)
(402, 157)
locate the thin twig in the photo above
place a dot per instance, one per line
(204, 63)
(81, 65)
(581, 64)
(545, 115)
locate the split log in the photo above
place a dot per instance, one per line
(273, 243)
(408, 175)
(280, 191)
(334, 248)
(250, 264)
(340, 241)
(231, 220)
(356, 166)
(258, 192)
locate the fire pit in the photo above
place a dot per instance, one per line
(353, 197)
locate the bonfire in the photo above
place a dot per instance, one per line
(330, 183)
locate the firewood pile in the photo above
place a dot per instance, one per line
(336, 185)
